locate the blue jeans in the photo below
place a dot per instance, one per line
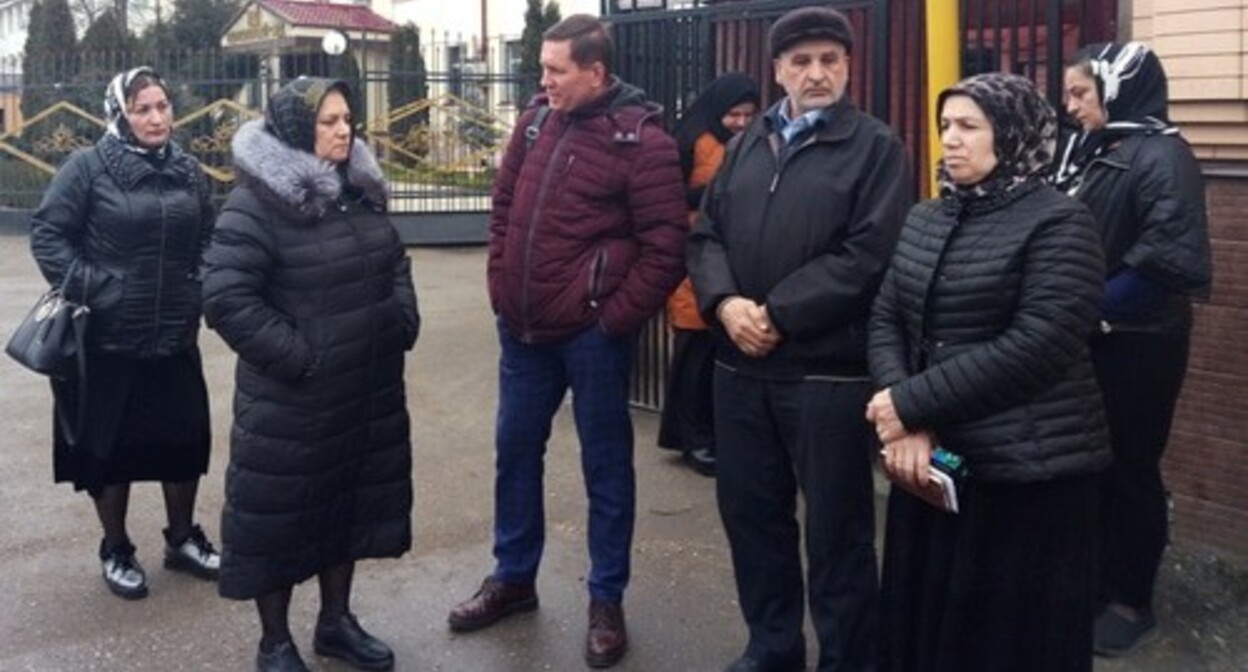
(532, 380)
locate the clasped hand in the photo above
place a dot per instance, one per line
(749, 326)
(907, 455)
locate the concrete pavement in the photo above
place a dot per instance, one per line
(681, 607)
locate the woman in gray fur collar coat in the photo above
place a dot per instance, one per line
(307, 281)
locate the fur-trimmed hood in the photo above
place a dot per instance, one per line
(300, 180)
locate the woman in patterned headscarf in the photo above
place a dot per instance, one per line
(124, 224)
(1131, 167)
(307, 281)
(978, 344)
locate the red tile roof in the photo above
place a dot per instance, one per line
(329, 15)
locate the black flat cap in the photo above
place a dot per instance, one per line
(810, 23)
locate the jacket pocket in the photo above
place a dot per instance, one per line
(104, 289)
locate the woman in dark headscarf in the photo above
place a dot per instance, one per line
(124, 224)
(307, 281)
(1131, 167)
(723, 109)
(978, 343)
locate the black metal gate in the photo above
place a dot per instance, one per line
(439, 152)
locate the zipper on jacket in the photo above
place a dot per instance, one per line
(160, 265)
(597, 269)
(771, 190)
(526, 335)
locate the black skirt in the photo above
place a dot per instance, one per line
(146, 420)
(1006, 584)
(688, 421)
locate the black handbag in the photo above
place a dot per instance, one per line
(51, 341)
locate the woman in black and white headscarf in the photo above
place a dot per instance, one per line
(124, 224)
(1131, 167)
(978, 345)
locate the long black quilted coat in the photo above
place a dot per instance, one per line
(312, 288)
(981, 328)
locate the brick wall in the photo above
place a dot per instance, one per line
(1200, 42)
(1206, 464)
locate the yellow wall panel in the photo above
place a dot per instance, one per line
(1208, 21)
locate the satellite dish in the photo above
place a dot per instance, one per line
(334, 43)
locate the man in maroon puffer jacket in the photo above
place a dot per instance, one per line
(586, 242)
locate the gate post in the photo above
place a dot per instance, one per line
(944, 58)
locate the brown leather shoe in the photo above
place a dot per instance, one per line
(495, 601)
(607, 639)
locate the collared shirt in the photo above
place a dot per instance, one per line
(794, 129)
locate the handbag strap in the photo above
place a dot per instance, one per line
(79, 325)
(74, 432)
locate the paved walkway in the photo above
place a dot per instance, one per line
(681, 609)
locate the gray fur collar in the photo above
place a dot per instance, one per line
(299, 179)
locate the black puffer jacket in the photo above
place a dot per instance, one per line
(809, 236)
(1148, 197)
(309, 283)
(980, 330)
(137, 229)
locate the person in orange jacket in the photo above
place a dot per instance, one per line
(723, 109)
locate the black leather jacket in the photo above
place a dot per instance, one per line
(133, 231)
(1148, 198)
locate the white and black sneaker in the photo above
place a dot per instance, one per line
(122, 572)
(194, 555)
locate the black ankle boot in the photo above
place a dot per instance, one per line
(342, 637)
(283, 658)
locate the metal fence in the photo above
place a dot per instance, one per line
(1033, 38)
(439, 151)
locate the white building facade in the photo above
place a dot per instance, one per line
(14, 19)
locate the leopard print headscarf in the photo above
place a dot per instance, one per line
(1024, 127)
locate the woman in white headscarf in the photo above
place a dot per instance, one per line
(124, 224)
(1131, 167)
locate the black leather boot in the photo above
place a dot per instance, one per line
(283, 658)
(342, 637)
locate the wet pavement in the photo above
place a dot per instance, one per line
(681, 605)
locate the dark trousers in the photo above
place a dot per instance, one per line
(1140, 377)
(532, 381)
(774, 439)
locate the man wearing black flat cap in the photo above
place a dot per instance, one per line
(793, 239)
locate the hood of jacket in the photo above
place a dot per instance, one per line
(300, 180)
